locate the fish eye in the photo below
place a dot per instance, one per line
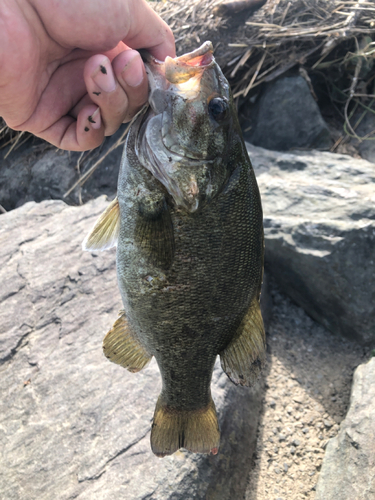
(218, 108)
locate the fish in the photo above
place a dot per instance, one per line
(187, 223)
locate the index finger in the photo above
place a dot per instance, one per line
(148, 31)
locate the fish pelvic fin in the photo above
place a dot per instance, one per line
(104, 234)
(243, 359)
(195, 430)
(122, 347)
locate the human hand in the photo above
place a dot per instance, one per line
(69, 73)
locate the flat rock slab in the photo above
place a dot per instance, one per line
(348, 470)
(72, 424)
(319, 221)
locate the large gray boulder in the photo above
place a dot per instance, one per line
(72, 424)
(348, 470)
(286, 117)
(319, 220)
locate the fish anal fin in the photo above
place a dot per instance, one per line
(195, 430)
(243, 359)
(104, 234)
(121, 346)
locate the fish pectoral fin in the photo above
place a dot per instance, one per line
(243, 359)
(154, 233)
(105, 232)
(195, 430)
(121, 346)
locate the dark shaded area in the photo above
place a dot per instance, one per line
(37, 171)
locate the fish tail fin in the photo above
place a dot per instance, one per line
(243, 359)
(195, 430)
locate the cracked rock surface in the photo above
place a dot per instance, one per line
(348, 470)
(319, 223)
(72, 424)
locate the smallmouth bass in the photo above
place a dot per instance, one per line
(187, 222)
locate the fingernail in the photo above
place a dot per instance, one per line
(95, 119)
(104, 78)
(133, 72)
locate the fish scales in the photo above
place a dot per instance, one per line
(189, 250)
(180, 318)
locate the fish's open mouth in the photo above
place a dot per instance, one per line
(180, 70)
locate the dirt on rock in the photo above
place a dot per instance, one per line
(308, 380)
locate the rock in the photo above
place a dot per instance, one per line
(366, 128)
(319, 219)
(286, 117)
(72, 424)
(327, 423)
(348, 469)
(38, 171)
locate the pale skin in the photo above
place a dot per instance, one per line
(70, 73)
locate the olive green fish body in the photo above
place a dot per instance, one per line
(187, 314)
(188, 226)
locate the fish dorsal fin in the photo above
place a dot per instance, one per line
(243, 359)
(122, 347)
(105, 232)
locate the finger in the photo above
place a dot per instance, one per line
(99, 26)
(131, 75)
(52, 120)
(149, 31)
(85, 101)
(86, 54)
(118, 100)
(65, 88)
(87, 132)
